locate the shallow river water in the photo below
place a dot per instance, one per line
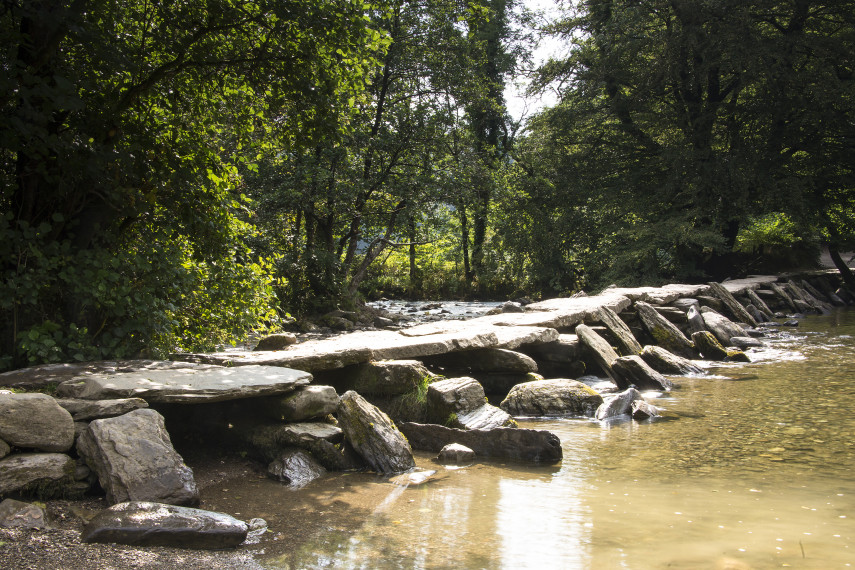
(751, 467)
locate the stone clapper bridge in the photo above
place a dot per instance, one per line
(284, 405)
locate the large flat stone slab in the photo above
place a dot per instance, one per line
(35, 377)
(518, 444)
(196, 384)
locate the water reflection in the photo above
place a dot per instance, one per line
(751, 468)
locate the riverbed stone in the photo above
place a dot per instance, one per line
(554, 397)
(632, 370)
(735, 308)
(46, 473)
(18, 514)
(373, 435)
(664, 332)
(709, 346)
(454, 396)
(135, 461)
(143, 523)
(84, 410)
(35, 421)
(723, 328)
(626, 341)
(278, 341)
(324, 441)
(455, 454)
(666, 362)
(296, 468)
(516, 444)
(385, 377)
(618, 405)
(641, 410)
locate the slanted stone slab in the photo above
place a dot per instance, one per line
(758, 302)
(632, 370)
(709, 346)
(516, 444)
(35, 421)
(668, 363)
(373, 435)
(626, 341)
(732, 304)
(601, 350)
(26, 471)
(666, 334)
(618, 405)
(723, 328)
(187, 385)
(554, 397)
(135, 461)
(85, 410)
(785, 297)
(486, 360)
(154, 524)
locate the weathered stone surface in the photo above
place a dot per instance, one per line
(556, 397)
(296, 468)
(709, 346)
(756, 313)
(35, 377)
(641, 410)
(385, 377)
(4, 449)
(666, 334)
(323, 441)
(566, 349)
(154, 524)
(618, 405)
(29, 470)
(694, 320)
(685, 303)
(507, 443)
(737, 356)
(18, 514)
(632, 370)
(35, 421)
(455, 454)
(743, 342)
(83, 410)
(626, 342)
(713, 302)
(135, 461)
(486, 360)
(483, 417)
(414, 478)
(304, 403)
(453, 396)
(604, 355)
(665, 362)
(737, 310)
(373, 435)
(276, 341)
(188, 385)
(502, 383)
(785, 297)
(512, 307)
(758, 302)
(723, 328)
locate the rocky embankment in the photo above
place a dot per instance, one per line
(365, 400)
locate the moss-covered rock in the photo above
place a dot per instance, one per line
(373, 435)
(556, 397)
(665, 333)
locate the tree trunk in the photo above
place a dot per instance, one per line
(843, 268)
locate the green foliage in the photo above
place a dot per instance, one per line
(773, 229)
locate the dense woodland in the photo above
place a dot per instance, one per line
(177, 173)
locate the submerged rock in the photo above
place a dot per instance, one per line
(743, 342)
(156, 524)
(135, 461)
(373, 435)
(35, 421)
(618, 405)
(455, 454)
(709, 346)
(723, 328)
(641, 410)
(509, 443)
(556, 397)
(295, 467)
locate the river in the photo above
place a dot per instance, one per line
(750, 467)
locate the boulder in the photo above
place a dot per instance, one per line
(385, 377)
(694, 320)
(723, 328)
(632, 370)
(84, 410)
(295, 467)
(556, 397)
(373, 435)
(641, 410)
(135, 461)
(35, 472)
(626, 342)
(35, 421)
(743, 342)
(485, 360)
(506, 443)
(483, 417)
(618, 405)
(194, 385)
(455, 454)
(304, 403)
(141, 523)
(709, 346)
(4, 449)
(512, 307)
(603, 354)
(665, 333)
(17, 514)
(454, 396)
(276, 341)
(665, 362)
(736, 309)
